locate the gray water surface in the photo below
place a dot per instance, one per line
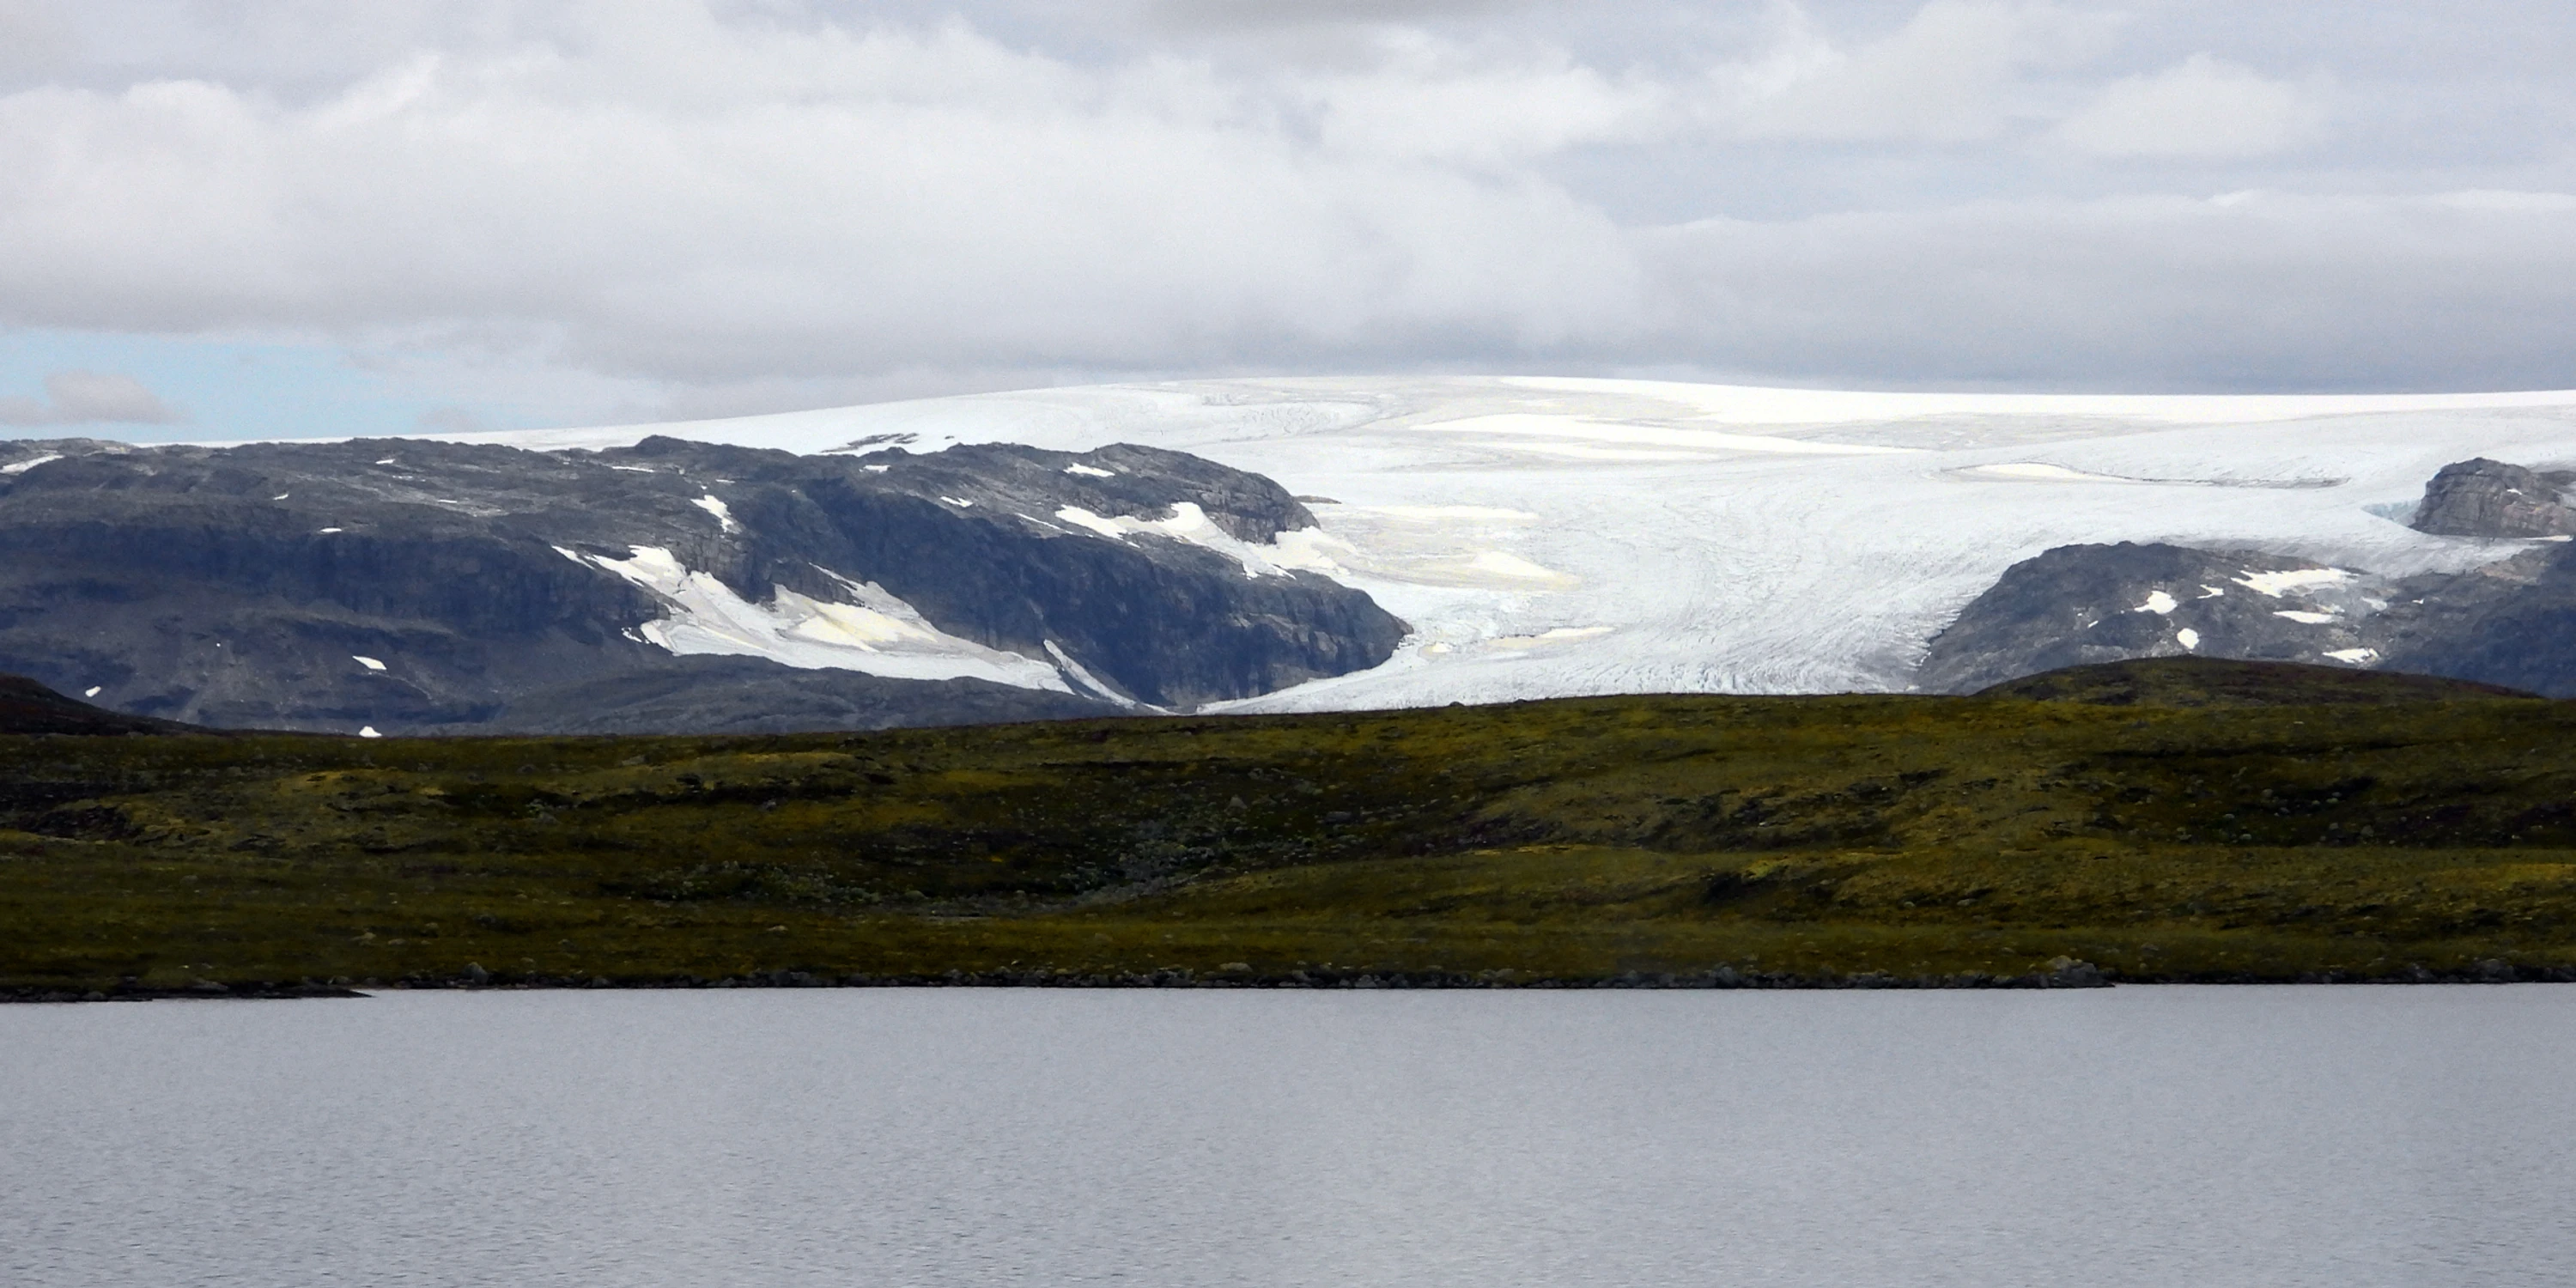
(2352, 1137)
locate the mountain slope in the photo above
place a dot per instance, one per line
(27, 707)
(1563, 536)
(411, 586)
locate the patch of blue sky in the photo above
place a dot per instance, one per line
(227, 389)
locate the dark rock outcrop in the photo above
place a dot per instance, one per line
(2511, 623)
(28, 707)
(260, 585)
(2487, 498)
(2075, 605)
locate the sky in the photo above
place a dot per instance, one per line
(310, 217)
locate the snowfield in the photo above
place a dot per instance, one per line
(1562, 536)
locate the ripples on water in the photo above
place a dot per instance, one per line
(2352, 1137)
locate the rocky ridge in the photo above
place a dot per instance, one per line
(2510, 622)
(2488, 498)
(409, 586)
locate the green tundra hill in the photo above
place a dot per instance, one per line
(2168, 820)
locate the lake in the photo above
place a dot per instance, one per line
(2353, 1137)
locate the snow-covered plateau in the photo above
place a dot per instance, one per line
(1550, 537)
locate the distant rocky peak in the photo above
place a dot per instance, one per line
(1121, 480)
(2488, 498)
(407, 585)
(20, 455)
(2085, 604)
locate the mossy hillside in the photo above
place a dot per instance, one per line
(1571, 840)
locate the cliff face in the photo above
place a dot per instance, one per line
(2486, 498)
(417, 586)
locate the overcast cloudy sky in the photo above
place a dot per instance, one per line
(220, 218)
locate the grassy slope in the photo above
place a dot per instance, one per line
(1573, 839)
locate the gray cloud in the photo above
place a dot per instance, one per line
(756, 206)
(2254, 291)
(1241, 14)
(89, 398)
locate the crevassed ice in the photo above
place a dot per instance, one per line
(2040, 472)
(1571, 434)
(879, 634)
(1553, 635)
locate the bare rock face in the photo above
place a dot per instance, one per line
(2078, 605)
(2486, 498)
(410, 587)
(2510, 623)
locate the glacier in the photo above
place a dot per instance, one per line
(1559, 536)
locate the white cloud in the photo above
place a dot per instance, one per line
(703, 201)
(722, 205)
(1947, 76)
(1429, 99)
(89, 398)
(2200, 107)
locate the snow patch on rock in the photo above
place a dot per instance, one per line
(723, 512)
(878, 633)
(2277, 584)
(1307, 549)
